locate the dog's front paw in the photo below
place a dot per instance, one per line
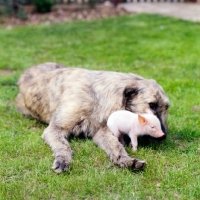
(132, 163)
(138, 164)
(60, 165)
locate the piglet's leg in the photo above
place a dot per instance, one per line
(121, 139)
(134, 141)
(117, 133)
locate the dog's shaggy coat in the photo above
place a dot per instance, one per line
(75, 101)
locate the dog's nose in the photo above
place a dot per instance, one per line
(164, 129)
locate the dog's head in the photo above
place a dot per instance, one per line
(147, 96)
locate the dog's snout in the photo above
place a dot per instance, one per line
(164, 128)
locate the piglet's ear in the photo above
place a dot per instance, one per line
(141, 119)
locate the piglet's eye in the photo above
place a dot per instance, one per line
(152, 127)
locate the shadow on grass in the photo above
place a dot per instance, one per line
(176, 140)
(146, 141)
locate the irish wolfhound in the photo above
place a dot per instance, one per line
(74, 101)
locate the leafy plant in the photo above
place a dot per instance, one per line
(43, 6)
(92, 3)
(11, 8)
(22, 14)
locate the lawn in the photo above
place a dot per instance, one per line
(161, 48)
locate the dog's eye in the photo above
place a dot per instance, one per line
(153, 106)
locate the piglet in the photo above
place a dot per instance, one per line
(125, 122)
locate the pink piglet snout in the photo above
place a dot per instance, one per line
(160, 134)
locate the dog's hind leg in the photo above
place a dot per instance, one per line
(21, 107)
(115, 150)
(56, 138)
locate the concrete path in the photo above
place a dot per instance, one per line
(186, 11)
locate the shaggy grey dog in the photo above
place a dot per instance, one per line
(75, 101)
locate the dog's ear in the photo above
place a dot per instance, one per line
(130, 92)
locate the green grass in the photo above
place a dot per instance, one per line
(161, 48)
